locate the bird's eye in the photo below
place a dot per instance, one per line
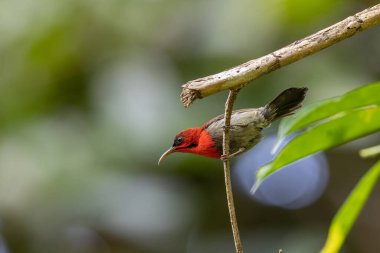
(178, 140)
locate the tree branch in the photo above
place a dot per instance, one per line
(227, 171)
(238, 76)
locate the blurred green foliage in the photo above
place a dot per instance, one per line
(350, 210)
(327, 124)
(357, 99)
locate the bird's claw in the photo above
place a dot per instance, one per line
(225, 157)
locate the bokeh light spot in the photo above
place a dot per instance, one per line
(295, 186)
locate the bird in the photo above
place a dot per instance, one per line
(245, 128)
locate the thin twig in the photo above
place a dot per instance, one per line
(227, 171)
(242, 74)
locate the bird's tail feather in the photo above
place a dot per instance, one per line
(285, 104)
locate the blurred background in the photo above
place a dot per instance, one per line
(89, 100)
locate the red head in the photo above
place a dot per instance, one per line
(193, 140)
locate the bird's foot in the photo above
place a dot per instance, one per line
(224, 157)
(227, 157)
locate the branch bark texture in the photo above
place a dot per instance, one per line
(238, 76)
(227, 169)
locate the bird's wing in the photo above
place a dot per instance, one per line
(238, 118)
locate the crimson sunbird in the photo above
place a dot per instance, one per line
(245, 130)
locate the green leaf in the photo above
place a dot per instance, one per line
(348, 213)
(370, 152)
(340, 129)
(363, 96)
